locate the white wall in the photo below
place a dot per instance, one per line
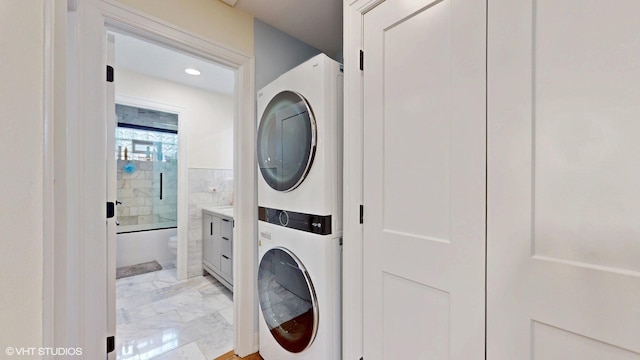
(207, 118)
(21, 186)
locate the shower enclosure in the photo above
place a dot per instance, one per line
(147, 168)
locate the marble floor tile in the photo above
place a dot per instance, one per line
(167, 264)
(159, 317)
(126, 350)
(214, 346)
(227, 314)
(147, 326)
(190, 351)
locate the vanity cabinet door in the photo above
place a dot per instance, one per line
(210, 241)
(207, 238)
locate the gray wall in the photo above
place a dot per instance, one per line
(276, 52)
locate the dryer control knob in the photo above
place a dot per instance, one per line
(284, 218)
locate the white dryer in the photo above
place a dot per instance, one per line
(299, 289)
(299, 143)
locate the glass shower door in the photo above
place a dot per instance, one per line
(146, 149)
(164, 182)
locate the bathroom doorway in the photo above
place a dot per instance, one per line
(173, 151)
(147, 149)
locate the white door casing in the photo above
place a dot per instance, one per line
(424, 180)
(112, 194)
(563, 258)
(87, 291)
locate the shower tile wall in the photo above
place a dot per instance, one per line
(206, 187)
(139, 193)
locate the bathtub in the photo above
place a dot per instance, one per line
(143, 246)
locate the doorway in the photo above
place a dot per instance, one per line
(86, 299)
(173, 148)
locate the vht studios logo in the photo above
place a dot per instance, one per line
(42, 351)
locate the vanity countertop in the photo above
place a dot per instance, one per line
(223, 210)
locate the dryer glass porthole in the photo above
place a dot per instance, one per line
(287, 300)
(286, 141)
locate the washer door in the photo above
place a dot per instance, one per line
(287, 299)
(286, 141)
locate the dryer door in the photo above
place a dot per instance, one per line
(287, 299)
(286, 141)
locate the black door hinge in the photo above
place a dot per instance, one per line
(361, 214)
(111, 210)
(109, 73)
(111, 344)
(361, 60)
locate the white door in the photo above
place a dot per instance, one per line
(424, 180)
(111, 196)
(563, 180)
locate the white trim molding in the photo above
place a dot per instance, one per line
(129, 20)
(245, 310)
(352, 292)
(86, 158)
(49, 106)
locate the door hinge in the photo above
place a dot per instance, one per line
(361, 60)
(109, 73)
(111, 344)
(111, 210)
(361, 214)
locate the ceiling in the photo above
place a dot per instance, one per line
(315, 22)
(156, 61)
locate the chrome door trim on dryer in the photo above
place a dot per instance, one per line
(277, 144)
(283, 295)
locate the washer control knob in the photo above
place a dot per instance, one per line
(284, 218)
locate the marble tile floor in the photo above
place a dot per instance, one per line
(159, 317)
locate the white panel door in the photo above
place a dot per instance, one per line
(563, 180)
(424, 180)
(112, 192)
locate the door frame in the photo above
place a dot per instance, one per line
(182, 205)
(352, 248)
(85, 297)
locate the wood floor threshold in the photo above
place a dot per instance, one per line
(231, 355)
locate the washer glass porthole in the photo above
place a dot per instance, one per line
(286, 141)
(287, 299)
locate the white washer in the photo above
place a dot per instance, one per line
(299, 291)
(299, 142)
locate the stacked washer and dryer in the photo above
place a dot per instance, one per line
(299, 151)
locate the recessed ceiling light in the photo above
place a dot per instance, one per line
(191, 71)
